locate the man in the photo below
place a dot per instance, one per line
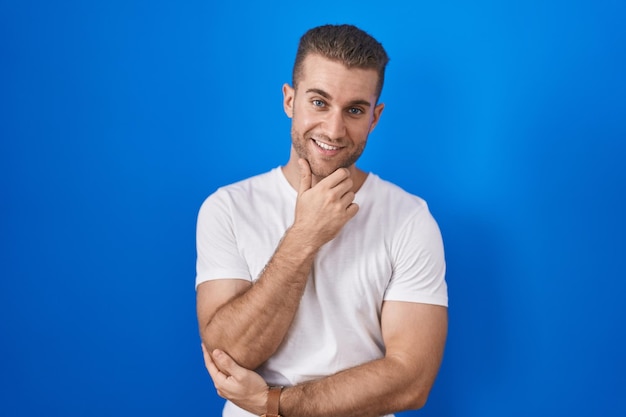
(317, 276)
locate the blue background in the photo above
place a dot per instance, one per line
(118, 118)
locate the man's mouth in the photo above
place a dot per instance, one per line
(325, 146)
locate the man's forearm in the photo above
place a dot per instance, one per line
(251, 326)
(415, 336)
(374, 389)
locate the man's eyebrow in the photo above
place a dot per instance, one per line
(329, 97)
(360, 102)
(320, 92)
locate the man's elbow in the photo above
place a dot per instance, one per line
(242, 355)
(418, 401)
(415, 397)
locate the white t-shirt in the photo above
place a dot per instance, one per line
(391, 250)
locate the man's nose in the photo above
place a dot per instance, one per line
(335, 125)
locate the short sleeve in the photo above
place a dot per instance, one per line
(218, 255)
(418, 262)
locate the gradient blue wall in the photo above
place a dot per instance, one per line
(118, 118)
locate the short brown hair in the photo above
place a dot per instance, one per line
(346, 44)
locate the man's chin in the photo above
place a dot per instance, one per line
(324, 171)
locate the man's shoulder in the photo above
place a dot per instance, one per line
(242, 195)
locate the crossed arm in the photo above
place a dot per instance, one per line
(414, 336)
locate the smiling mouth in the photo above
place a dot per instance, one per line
(325, 146)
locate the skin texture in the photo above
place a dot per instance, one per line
(333, 110)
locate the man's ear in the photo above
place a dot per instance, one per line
(288, 96)
(378, 110)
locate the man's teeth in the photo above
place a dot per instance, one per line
(325, 146)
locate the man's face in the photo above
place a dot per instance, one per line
(333, 110)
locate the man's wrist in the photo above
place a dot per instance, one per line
(300, 240)
(273, 402)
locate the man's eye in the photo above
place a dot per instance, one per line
(318, 103)
(355, 111)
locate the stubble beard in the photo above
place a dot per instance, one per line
(300, 143)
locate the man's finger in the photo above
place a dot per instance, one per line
(352, 209)
(339, 176)
(226, 364)
(215, 373)
(305, 175)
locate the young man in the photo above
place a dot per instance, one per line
(317, 276)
